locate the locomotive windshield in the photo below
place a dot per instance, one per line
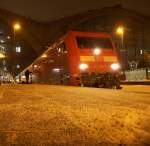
(93, 42)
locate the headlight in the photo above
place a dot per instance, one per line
(115, 66)
(97, 51)
(83, 66)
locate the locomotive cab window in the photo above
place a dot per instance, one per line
(93, 42)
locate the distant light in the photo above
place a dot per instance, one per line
(35, 66)
(17, 80)
(8, 37)
(18, 49)
(56, 69)
(17, 26)
(17, 66)
(59, 50)
(2, 41)
(97, 51)
(141, 52)
(120, 30)
(44, 56)
(2, 55)
(115, 66)
(83, 66)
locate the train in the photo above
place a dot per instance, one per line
(80, 59)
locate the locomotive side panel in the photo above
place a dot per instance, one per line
(52, 67)
(59, 72)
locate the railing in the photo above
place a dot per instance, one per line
(138, 74)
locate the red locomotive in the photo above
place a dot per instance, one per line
(80, 58)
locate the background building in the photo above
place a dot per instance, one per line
(17, 53)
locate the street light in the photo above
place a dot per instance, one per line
(16, 27)
(1, 57)
(120, 31)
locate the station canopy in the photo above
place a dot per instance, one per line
(47, 10)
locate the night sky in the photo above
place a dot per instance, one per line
(49, 10)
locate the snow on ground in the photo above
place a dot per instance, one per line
(60, 115)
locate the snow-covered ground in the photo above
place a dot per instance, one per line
(47, 115)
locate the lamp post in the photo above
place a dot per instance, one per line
(1, 57)
(16, 27)
(120, 31)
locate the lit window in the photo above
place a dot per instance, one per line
(18, 49)
(17, 66)
(141, 52)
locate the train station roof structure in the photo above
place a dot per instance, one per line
(46, 11)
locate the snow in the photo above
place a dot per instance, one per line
(61, 115)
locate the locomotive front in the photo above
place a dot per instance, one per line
(97, 61)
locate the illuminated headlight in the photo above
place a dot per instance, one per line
(97, 51)
(115, 66)
(83, 66)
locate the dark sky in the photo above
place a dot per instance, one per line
(49, 10)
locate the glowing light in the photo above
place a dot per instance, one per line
(1, 41)
(120, 30)
(83, 66)
(35, 66)
(8, 37)
(97, 51)
(141, 52)
(2, 55)
(44, 56)
(56, 69)
(17, 80)
(18, 49)
(17, 66)
(115, 66)
(17, 26)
